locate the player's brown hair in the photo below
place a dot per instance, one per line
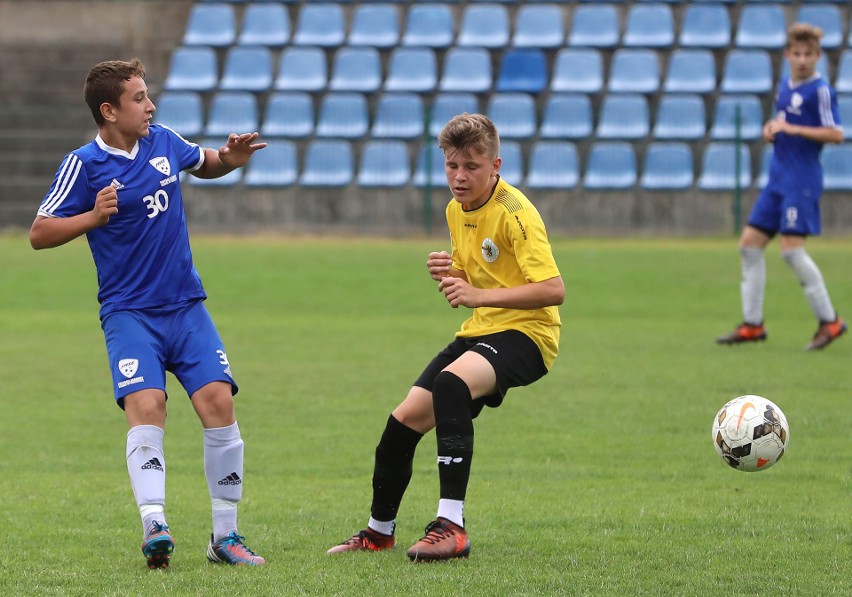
(470, 133)
(803, 33)
(105, 83)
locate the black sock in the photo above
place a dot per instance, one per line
(392, 472)
(454, 430)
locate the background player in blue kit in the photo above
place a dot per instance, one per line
(806, 118)
(122, 191)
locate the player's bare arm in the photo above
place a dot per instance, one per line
(236, 153)
(819, 134)
(47, 233)
(535, 295)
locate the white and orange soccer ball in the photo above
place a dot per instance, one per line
(750, 433)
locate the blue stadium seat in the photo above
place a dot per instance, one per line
(320, 24)
(181, 111)
(822, 67)
(232, 178)
(828, 18)
(343, 114)
(466, 69)
(412, 69)
(375, 25)
(567, 116)
(649, 26)
(623, 116)
(302, 69)
(429, 25)
(522, 69)
(288, 114)
(513, 113)
(680, 116)
(747, 71)
(232, 112)
(718, 167)
(512, 168)
(539, 26)
(384, 163)
(211, 24)
(247, 68)
(577, 70)
(668, 166)
(765, 163)
(356, 69)
(634, 71)
(690, 71)
(705, 26)
(761, 26)
(843, 80)
(844, 107)
(399, 115)
(328, 163)
(447, 105)
(193, 68)
(429, 170)
(274, 166)
(611, 165)
(837, 175)
(553, 165)
(724, 117)
(484, 26)
(594, 26)
(265, 25)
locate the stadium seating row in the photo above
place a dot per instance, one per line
(552, 165)
(492, 25)
(305, 68)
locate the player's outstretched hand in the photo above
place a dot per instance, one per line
(438, 263)
(239, 149)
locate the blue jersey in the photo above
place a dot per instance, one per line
(142, 255)
(795, 160)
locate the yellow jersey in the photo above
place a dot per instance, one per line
(503, 244)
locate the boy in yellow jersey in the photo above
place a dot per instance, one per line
(503, 268)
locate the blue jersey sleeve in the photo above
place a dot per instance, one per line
(190, 155)
(69, 194)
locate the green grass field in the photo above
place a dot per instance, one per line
(600, 479)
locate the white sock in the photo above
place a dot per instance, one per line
(452, 510)
(223, 467)
(381, 526)
(812, 283)
(146, 466)
(753, 284)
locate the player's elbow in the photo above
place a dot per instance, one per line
(557, 291)
(836, 136)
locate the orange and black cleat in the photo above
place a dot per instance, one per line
(745, 332)
(827, 332)
(366, 540)
(444, 540)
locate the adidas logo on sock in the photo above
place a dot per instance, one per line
(232, 479)
(154, 464)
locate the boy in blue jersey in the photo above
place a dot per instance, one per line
(122, 191)
(806, 118)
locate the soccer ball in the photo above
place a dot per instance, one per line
(750, 433)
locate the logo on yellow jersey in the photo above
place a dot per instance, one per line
(490, 252)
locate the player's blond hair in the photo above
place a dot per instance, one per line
(803, 33)
(470, 133)
(105, 84)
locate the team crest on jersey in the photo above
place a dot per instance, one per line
(490, 252)
(128, 367)
(162, 165)
(796, 101)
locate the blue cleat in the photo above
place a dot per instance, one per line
(231, 550)
(158, 546)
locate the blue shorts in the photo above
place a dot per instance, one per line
(794, 212)
(145, 343)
